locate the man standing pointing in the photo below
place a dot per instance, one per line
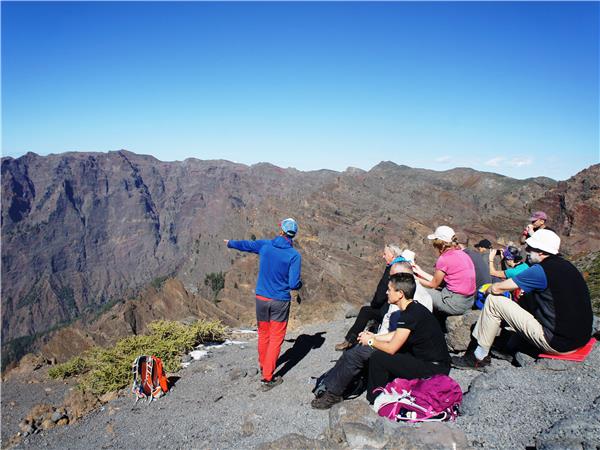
(278, 273)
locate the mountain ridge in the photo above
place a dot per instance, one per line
(81, 230)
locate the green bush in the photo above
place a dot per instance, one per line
(216, 281)
(109, 369)
(74, 366)
(158, 282)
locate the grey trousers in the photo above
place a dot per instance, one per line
(347, 367)
(450, 303)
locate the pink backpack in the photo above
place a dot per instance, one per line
(419, 400)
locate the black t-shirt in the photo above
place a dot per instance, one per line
(426, 340)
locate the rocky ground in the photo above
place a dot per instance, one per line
(216, 403)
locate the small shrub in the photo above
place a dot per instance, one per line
(216, 281)
(158, 282)
(109, 369)
(75, 366)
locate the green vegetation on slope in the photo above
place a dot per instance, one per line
(109, 369)
(590, 267)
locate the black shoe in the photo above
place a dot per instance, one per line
(502, 355)
(469, 361)
(268, 385)
(326, 401)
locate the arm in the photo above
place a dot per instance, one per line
(502, 287)
(294, 272)
(435, 282)
(421, 274)
(396, 342)
(493, 271)
(245, 246)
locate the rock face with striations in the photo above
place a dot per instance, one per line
(82, 230)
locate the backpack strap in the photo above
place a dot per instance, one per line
(137, 388)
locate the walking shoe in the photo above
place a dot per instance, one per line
(326, 401)
(343, 346)
(268, 385)
(469, 361)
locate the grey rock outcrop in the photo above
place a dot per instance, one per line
(459, 330)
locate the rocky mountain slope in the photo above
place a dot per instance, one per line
(83, 231)
(216, 403)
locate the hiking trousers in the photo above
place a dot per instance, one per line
(450, 303)
(498, 308)
(365, 314)
(384, 367)
(272, 317)
(346, 368)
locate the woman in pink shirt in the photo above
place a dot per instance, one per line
(455, 269)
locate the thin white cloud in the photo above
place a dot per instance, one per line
(443, 159)
(521, 162)
(494, 162)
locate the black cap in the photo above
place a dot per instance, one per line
(484, 243)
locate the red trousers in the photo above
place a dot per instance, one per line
(272, 317)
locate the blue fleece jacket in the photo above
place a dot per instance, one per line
(279, 266)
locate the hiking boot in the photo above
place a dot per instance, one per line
(326, 401)
(498, 354)
(268, 385)
(469, 361)
(343, 346)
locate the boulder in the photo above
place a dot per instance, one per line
(425, 436)
(359, 435)
(355, 411)
(79, 403)
(579, 431)
(459, 330)
(109, 396)
(295, 441)
(47, 424)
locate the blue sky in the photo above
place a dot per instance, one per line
(511, 88)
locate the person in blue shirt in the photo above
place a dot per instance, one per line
(555, 314)
(279, 273)
(513, 260)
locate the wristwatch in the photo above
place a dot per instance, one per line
(370, 343)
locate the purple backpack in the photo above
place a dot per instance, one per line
(419, 400)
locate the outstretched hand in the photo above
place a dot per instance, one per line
(226, 241)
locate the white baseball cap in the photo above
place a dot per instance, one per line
(443, 233)
(408, 255)
(544, 240)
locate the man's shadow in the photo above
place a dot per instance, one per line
(303, 344)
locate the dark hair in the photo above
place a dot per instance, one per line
(404, 282)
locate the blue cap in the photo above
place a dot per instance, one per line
(289, 227)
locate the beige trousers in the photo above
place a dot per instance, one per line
(498, 308)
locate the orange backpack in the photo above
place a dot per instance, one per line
(149, 380)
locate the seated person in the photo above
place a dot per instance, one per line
(354, 359)
(537, 221)
(482, 271)
(513, 260)
(417, 349)
(391, 254)
(555, 315)
(453, 267)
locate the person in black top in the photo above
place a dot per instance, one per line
(417, 349)
(391, 254)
